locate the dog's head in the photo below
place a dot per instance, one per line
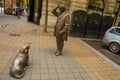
(25, 48)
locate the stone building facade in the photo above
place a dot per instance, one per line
(109, 7)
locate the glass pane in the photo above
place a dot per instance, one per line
(117, 30)
(96, 3)
(8, 6)
(94, 11)
(112, 31)
(95, 6)
(35, 10)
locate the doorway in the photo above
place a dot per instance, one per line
(35, 10)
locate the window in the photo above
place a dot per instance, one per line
(115, 31)
(112, 30)
(96, 6)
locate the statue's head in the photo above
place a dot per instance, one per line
(61, 8)
(25, 48)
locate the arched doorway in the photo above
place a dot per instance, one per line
(96, 6)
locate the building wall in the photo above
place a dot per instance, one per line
(83, 4)
(51, 5)
(77, 5)
(109, 7)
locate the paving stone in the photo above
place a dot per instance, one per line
(44, 76)
(58, 66)
(70, 75)
(60, 71)
(53, 76)
(67, 70)
(35, 76)
(53, 71)
(44, 71)
(62, 76)
(72, 79)
(77, 75)
(51, 66)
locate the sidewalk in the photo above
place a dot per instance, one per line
(78, 62)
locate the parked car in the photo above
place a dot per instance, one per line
(112, 39)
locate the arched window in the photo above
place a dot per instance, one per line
(96, 6)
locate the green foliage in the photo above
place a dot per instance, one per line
(0, 1)
(26, 2)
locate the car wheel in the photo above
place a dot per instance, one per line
(114, 47)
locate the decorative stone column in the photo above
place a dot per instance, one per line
(109, 7)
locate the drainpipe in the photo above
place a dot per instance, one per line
(46, 16)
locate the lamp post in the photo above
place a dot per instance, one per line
(46, 16)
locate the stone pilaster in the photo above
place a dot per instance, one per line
(109, 7)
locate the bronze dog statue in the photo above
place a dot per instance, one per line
(17, 70)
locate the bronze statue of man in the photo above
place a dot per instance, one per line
(61, 27)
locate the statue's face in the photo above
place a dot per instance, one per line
(60, 9)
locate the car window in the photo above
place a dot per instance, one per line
(112, 31)
(117, 31)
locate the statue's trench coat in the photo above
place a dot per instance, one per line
(62, 25)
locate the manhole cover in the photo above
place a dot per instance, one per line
(13, 34)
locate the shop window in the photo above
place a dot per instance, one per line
(8, 6)
(96, 6)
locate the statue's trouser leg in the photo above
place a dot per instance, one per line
(60, 45)
(57, 47)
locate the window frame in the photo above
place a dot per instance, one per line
(96, 9)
